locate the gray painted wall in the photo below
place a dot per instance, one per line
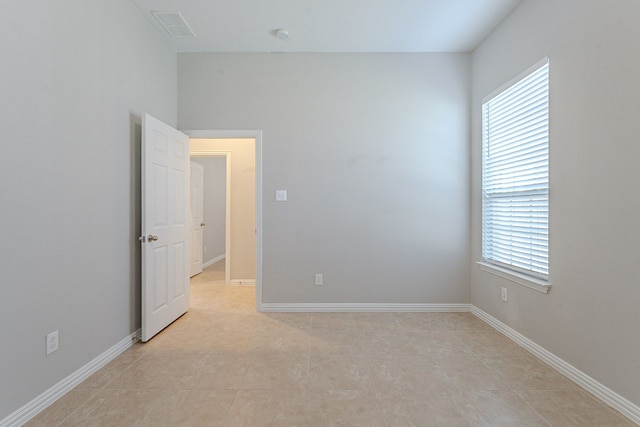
(214, 205)
(374, 152)
(591, 317)
(69, 177)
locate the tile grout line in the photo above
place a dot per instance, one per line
(78, 408)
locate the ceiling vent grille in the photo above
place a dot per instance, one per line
(175, 24)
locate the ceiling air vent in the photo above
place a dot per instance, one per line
(175, 24)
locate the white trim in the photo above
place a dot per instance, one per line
(608, 396)
(213, 261)
(355, 307)
(243, 282)
(258, 279)
(227, 221)
(220, 133)
(208, 153)
(521, 279)
(41, 402)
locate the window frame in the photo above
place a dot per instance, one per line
(535, 280)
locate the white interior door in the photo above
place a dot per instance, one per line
(165, 216)
(197, 218)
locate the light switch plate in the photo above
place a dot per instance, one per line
(281, 195)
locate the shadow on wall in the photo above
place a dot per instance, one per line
(135, 280)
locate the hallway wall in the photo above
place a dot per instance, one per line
(242, 256)
(214, 205)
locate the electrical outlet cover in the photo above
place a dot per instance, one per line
(52, 342)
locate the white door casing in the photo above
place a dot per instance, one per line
(196, 218)
(165, 216)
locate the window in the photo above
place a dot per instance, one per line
(515, 176)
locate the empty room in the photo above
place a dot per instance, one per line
(442, 223)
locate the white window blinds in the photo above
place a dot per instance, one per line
(515, 176)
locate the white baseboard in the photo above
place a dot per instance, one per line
(213, 260)
(243, 282)
(37, 405)
(608, 396)
(355, 307)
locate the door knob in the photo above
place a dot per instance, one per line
(152, 238)
(202, 224)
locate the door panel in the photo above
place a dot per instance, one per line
(182, 286)
(165, 192)
(160, 279)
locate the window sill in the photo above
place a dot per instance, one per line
(521, 279)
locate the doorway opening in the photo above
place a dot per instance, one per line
(242, 154)
(213, 203)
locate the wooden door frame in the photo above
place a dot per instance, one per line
(256, 135)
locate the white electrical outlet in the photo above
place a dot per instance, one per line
(505, 295)
(319, 279)
(52, 342)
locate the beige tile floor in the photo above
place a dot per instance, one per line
(223, 364)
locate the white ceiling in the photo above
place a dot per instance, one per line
(333, 25)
